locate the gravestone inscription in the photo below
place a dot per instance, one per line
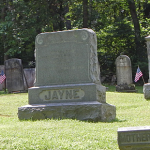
(124, 74)
(67, 76)
(134, 138)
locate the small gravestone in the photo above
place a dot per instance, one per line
(67, 79)
(29, 77)
(14, 75)
(124, 74)
(146, 91)
(134, 138)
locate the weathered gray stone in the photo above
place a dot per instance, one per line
(146, 87)
(71, 60)
(148, 53)
(29, 77)
(62, 93)
(124, 74)
(134, 138)
(85, 111)
(67, 73)
(146, 91)
(14, 75)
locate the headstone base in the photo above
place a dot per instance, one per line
(146, 91)
(126, 88)
(84, 111)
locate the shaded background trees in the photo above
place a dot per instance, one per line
(121, 27)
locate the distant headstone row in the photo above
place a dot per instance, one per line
(19, 79)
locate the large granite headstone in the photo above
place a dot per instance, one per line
(14, 75)
(124, 74)
(67, 79)
(134, 138)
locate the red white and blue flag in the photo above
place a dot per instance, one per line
(138, 74)
(2, 77)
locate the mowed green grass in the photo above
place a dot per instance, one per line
(131, 109)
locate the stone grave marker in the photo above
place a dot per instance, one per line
(134, 138)
(124, 74)
(148, 53)
(146, 91)
(14, 75)
(67, 79)
(29, 77)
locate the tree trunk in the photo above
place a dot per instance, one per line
(85, 13)
(3, 14)
(136, 26)
(68, 22)
(61, 22)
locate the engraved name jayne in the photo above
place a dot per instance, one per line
(61, 94)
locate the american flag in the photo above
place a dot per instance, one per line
(2, 77)
(138, 74)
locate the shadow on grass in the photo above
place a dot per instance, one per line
(74, 119)
(117, 120)
(112, 121)
(1, 115)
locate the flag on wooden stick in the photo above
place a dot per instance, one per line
(2, 77)
(138, 74)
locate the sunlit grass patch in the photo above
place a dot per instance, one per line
(131, 109)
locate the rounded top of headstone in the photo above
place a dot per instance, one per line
(147, 84)
(12, 59)
(123, 60)
(80, 35)
(12, 63)
(147, 38)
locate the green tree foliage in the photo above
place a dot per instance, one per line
(120, 27)
(22, 20)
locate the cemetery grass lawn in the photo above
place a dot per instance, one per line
(131, 109)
